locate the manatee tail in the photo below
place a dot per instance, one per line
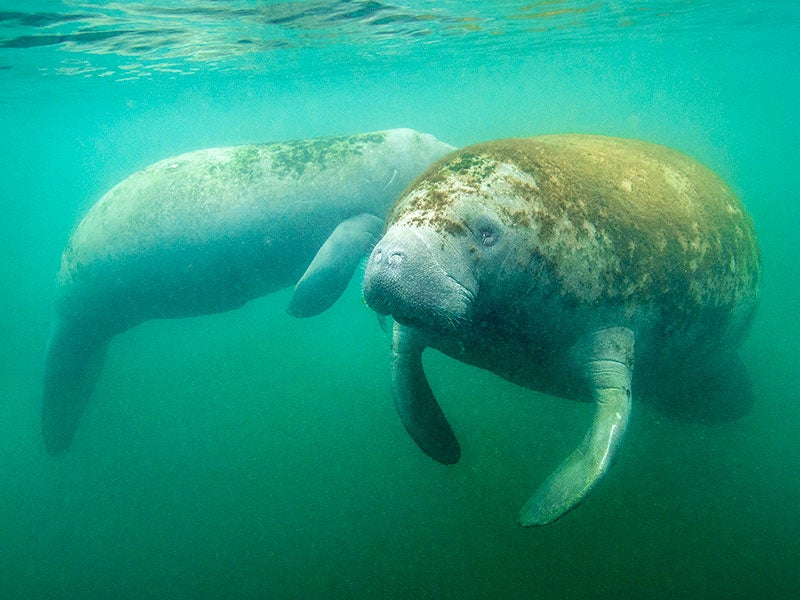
(72, 367)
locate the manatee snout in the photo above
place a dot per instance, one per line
(407, 278)
(384, 277)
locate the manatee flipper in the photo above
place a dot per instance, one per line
(606, 359)
(332, 268)
(73, 361)
(420, 413)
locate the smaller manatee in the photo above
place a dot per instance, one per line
(209, 230)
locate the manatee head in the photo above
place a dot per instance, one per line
(448, 242)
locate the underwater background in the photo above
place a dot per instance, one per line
(250, 454)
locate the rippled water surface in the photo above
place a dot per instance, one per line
(250, 454)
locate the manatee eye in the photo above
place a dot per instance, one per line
(485, 230)
(488, 236)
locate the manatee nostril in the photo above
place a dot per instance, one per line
(387, 256)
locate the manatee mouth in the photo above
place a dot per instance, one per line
(420, 278)
(450, 317)
(437, 304)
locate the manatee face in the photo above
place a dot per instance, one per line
(422, 278)
(443, 260)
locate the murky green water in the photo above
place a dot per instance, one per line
(249, 454)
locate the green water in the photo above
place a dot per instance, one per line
(249, 454)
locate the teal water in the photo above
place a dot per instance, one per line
(249, 454)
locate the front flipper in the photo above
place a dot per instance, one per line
(606, 359)
(332, 268)
(73, 361)
(420, 413)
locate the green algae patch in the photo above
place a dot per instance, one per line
(658, 227)
(291, 159)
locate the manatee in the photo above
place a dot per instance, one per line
(209, 230)
(549, 261)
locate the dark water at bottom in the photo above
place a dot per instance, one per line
(224, 461)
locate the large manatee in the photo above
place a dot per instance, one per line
(548, 260)
(209, 230)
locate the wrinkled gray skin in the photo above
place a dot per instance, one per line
(545, 260)
(206, 232)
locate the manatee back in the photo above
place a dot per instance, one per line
(630, 233)
(209, 230)
(224, 193)
(201, 232)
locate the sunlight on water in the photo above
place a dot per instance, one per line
(179, 38)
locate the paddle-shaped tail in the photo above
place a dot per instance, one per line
(72, 367)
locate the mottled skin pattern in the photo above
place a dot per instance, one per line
(209, 230)
(511, 255)
(604, 230)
